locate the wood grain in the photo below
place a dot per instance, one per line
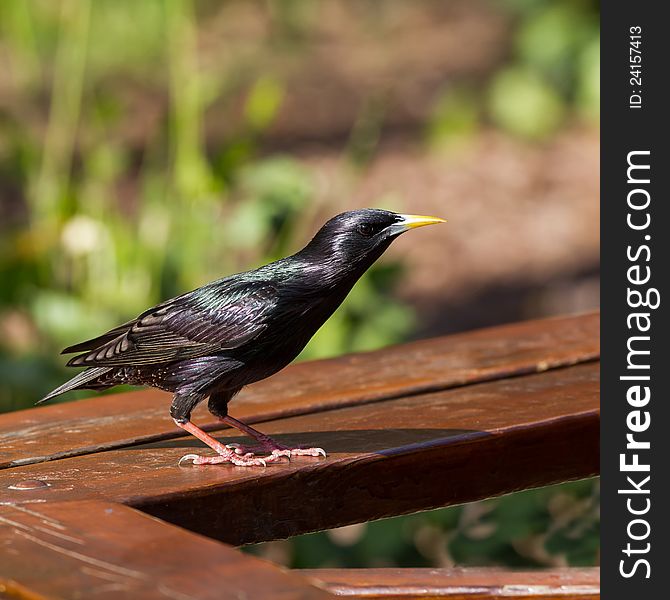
(103, 551)
(115, 421)
(466, 584)
(385, 458)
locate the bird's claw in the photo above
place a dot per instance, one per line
(240, 450)
(187, 457)
(281, 453)
(236, 448)
(309, 452)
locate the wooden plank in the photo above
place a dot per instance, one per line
(465, 583)
(101, 550)
(113, 421)
(385, 459)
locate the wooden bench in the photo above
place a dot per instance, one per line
(93, 503)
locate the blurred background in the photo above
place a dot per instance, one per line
(149, 147)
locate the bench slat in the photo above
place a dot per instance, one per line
(468, 583)
(100, 550)
(114, 421)
(385, 459)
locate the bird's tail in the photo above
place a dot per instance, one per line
(78, 381)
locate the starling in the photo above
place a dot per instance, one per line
(212, 341)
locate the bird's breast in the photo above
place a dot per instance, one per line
(286, 335)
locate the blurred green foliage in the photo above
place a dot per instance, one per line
(547, 527)
(551, 77)
(553, 74)
(97, 226)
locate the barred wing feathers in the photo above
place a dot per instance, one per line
(206, 321)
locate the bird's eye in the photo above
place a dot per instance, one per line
(366, 229)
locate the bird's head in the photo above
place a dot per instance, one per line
(357, 238)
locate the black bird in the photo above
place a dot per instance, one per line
(213, 341)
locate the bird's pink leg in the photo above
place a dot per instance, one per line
(267, 443)
(224, 454)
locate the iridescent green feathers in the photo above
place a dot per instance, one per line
(217, 317)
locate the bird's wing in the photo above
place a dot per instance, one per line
(96, 342)
(216, 317)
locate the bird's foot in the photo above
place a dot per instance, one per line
(267, 445)
(224, 454)
(289, 452)
(276, 450)
(246, 460)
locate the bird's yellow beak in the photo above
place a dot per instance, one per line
(412, 221)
